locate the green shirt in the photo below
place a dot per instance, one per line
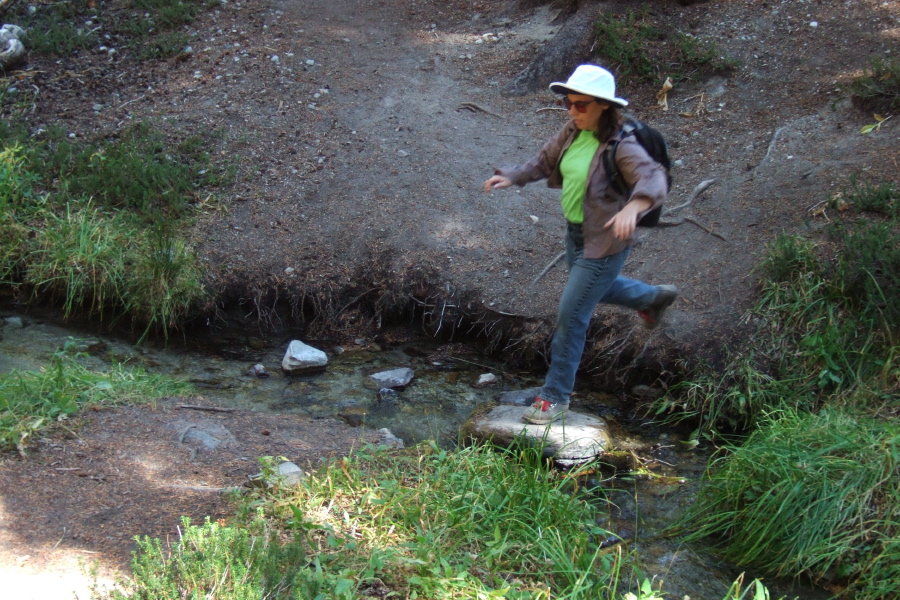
(574, 170)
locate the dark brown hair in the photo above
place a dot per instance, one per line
(610, 122)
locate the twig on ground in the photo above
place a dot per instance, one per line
(184, 433)
(208, 408)
(546, 270)
(701, 187)
(551, 108)
(705, 228)
(476, 108)
(771, 145)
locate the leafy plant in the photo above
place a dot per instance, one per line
(636, 47)
(807, 494)
(33, 400)
(878, 88)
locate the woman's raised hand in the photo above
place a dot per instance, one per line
(496, 182)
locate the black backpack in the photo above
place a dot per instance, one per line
(655, 145)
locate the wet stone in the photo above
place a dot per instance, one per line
(301, 359)
(395, 378)
(580, 439)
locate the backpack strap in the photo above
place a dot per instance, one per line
(609, 158)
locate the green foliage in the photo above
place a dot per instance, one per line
(94, 259)
(811, 494)
(30, 400)
(215, 561)
(827, 327)
(632, 45)
(878, 88)
(623, 41)
(58, 28)
(141, 170)
(152, 29)
(428, 523)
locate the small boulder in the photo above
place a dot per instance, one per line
(395, 378)
(301, 359)
(580, 439)
(388, 439)
(486, 380)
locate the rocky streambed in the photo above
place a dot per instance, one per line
(396, 391)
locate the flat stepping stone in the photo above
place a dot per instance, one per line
(579, 439)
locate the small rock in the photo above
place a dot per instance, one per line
(14, 322)
(519, 397)
(485, 380)
(395, 378)
(258, 370)
(301, 359)
(388, 439)
(310, 62)
(388, 395)
(97, 107)
(289, 474)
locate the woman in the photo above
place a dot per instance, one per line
(601, 220)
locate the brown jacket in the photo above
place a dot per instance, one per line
(645, 177)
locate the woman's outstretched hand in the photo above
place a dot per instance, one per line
(496, 182)
(624, 222)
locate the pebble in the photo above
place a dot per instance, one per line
(310, 62)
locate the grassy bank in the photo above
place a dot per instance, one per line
(33, 400)
(813, 490)
(479, 522)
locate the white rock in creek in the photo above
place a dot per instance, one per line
(386, 438)
(395, 378)
(300, 359)
(582, 438)
(485, 379)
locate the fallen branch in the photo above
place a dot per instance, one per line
(207, 408)
(701, 187)
(476, 108)
(546, 270)
(705, 228)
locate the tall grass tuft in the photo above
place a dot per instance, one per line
(808, 493)
(429, 523)
(33, 400)
(827, 326)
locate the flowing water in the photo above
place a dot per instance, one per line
(432, 406)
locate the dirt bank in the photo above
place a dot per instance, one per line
(363, 130)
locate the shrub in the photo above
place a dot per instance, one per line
(33, 400)
(634, 47)
(811, 494)
(878, 88)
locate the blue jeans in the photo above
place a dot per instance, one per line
(591, 281)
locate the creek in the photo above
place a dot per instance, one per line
(432, 407)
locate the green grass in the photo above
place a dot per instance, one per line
(419, 523)
(636, 45)
(101, 261)
(150, 29)
(827, 325)
(809, 493)
(878, 88)
(33, 400)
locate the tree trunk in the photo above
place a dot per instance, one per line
(570, 47)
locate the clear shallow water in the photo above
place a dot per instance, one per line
(433, 406)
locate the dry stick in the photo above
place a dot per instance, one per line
(701, 187)
(546, 270)
(705, 228)
(208, 408)
(771, 145)
(476, 108)
(184, 433)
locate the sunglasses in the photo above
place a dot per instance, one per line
(580, 106)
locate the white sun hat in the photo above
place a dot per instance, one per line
(590, 80)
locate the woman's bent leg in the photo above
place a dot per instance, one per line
(590, 280)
